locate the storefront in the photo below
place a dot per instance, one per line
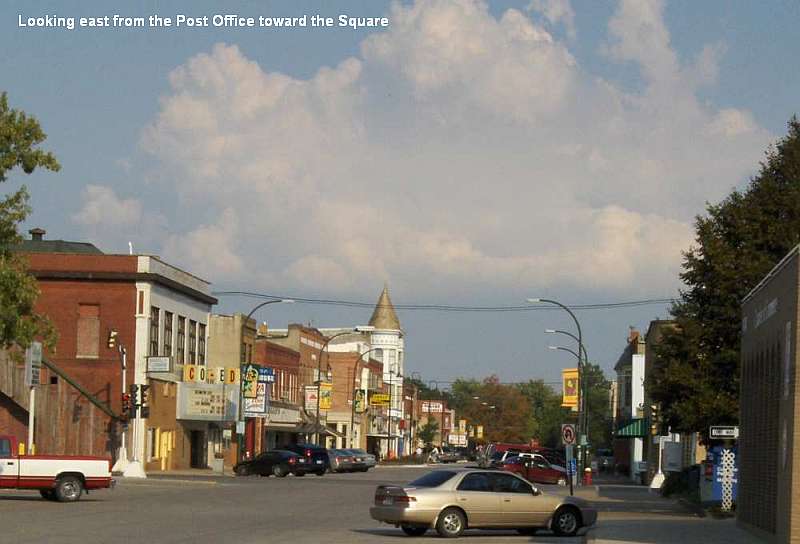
(207, 414)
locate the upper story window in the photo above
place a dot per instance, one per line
(192, 342)
(154, 313)
(180, 344)
(201, 344)
(166, 349)
(88, 340)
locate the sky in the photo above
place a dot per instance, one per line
(469, 153)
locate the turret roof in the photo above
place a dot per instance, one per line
(384, 316)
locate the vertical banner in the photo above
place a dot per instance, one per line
(325, 396)
(360, 401)
(249, 381)
(569, 377)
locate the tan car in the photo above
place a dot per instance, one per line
(451, 501)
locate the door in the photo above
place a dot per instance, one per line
(520, 507)
(539, 470)
(9, 465)
(198, 449)
(474, 495)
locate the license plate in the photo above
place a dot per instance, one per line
(387, 501)
(318, 461)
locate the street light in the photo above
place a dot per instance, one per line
(319, 368)
(353, 407)
(240, 453)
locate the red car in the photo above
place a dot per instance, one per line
(536, 468)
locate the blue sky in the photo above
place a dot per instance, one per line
(469, 154)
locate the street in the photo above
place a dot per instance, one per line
(332, 509)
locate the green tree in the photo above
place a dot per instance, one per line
(546, 412)
(696, 378)
(599, 418)
(20, 136)
(427, 433)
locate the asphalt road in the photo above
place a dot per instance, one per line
(330, 509)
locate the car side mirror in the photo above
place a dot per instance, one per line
(536, 491)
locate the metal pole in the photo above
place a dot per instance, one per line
(389, 428)
(319, 377)
(124, 354)
(353, 407)
(31, 418)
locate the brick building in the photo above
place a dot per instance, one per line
(284, 423)
(155, 309)
(768, 500)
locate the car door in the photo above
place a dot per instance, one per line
(519, 506)
(540, 471)
(474, 494)
(9, 465)
(263, 463)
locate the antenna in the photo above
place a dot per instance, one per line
(130, 248)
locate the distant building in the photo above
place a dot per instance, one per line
(768, 501)
(631, 429)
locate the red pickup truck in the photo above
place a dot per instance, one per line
(60, 478)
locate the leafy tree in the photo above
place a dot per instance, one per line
(696, 378)
(427, 433)
(20, 136)
(599, 418)
(546, 411)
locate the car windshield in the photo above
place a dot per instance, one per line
(433, 479)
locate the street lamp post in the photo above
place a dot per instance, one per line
(584, 395)
(389, 425)
(353, 407)
(580, 365)
(241, 418)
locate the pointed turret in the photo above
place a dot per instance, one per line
(384, 316)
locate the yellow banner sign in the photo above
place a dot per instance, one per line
(379, 399)
(569, 377)
(325, 396)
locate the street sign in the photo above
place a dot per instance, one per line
(568, 434)
(33, 364)
(724, 432)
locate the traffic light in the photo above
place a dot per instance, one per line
(133, 389)
(144, 400)
(655, 420)
(112, 339)
(126, 405)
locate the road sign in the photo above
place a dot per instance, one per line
(724, 432)
(33, 364)
(568, 434)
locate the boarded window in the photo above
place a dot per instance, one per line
(88, 341)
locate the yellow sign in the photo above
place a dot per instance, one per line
(190, 373)
(462, 426)
(569, 377)
(250, 381)
(379, 399)
(203, 374)
(325, 396)
(231, 375)
(479, 431)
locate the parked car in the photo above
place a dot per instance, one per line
(535, 468)
(447, 455)
(451, 501)
(362, 461)
(57, 477)
(495, 453)
(340, 460)
(466, 454)
(316, 457)
(279, 463)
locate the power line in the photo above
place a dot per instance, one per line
(450, 308)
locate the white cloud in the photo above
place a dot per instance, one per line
(101, 206)
(459, 150)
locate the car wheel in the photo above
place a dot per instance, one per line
(451, 523)
(527, 531)
(68, 489)
(414, 530)
(566, 522)
(322, 473)
(279, 471)
(47, 494)
(241, 470)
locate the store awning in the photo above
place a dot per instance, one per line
(635, 428)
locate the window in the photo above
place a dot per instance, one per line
(5, 447)
(152, 444)
(181, 347)
(167, 347)
(476, 481)
(201, 344)
(153, 331)
(192, 342)
(506, 483)
(377, 355)
(433, 479)
(88, 344)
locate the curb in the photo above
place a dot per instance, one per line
(150, 481)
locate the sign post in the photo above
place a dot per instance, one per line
(33, 369)
(570, 462)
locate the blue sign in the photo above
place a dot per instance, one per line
(573, 467)
(266, 375)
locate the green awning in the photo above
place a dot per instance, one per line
(635, 428)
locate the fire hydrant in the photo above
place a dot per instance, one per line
(587, 476)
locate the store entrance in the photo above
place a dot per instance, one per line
(198, 454)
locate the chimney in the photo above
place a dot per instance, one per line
(37, 234)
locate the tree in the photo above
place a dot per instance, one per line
(546, 411)
(597, 402)
(20, 136)
(427, 432)
(739, 240)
